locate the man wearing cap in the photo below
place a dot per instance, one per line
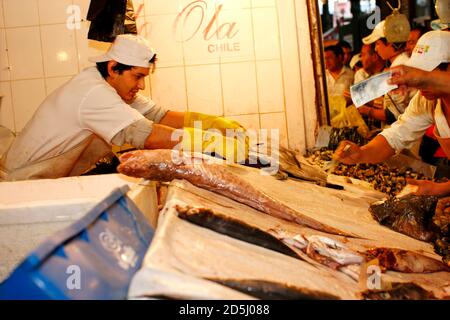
(76, 125)
(428, 107)
(394, 53)
(339, 77)
(372, 63)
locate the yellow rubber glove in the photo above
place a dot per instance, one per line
(210, 122)
(232, 149)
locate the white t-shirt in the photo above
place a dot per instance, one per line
(337, 87)
(412, 124)
(68, 120)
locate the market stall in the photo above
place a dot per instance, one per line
(224, 150)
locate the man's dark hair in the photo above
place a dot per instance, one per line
(102, 67)
(443, 66)
(397, 45)
(337, 50)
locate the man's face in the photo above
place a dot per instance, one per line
(129, 82)
(367, 56)
(332, 62)
(386, 51)
(412, 41)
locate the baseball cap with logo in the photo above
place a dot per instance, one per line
(432, 49)
(128, 49)
(376, 34)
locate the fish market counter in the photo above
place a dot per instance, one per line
(215, 240)
(217, 232)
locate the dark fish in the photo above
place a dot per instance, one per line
(441, 220)
(405, 261)
(168, 165)
(267, 290)
(410, 215)
(234, 228)
(400, 291)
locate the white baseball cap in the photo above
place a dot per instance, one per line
(376, 34)
(128, 49)
(432, 49)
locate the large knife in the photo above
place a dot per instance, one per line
(372, 88)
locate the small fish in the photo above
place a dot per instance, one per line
(334, 251)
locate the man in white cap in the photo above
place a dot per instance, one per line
(428, 107)
(78, 123)
(394, 53)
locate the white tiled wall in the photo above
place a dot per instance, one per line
(235, 64)
(38, 53)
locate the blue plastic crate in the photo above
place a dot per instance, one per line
(94, 258)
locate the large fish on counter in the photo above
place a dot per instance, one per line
(168, 165)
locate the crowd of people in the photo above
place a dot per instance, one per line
(415, 116)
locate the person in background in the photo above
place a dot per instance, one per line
(79, 122)
(430, 150)
(429, 106)
(348, 52)
(414, 36)
(355, 63)
(394, 54)
(372, 65)
(339, 77)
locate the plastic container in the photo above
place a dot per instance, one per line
(95, 258)
(33, 210)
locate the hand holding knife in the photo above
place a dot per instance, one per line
(335, 162)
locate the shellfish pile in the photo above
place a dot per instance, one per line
(384, 179)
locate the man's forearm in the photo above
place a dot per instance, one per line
(173, 119)
(377, 150)
(161, 138)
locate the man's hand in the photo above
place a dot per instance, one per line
(408, 77)
(233, 149)
(211, 122)
(348, 153)
(430, 188)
